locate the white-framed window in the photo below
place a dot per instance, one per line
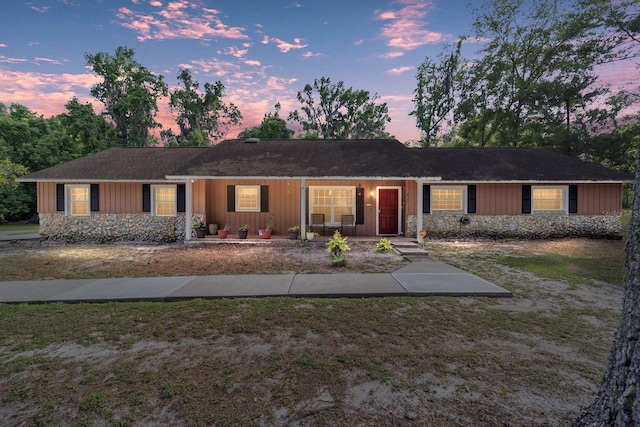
(247, 198)
(550, 198)
(449, 198)
(333, 202)
(163, 200)
(78, 198)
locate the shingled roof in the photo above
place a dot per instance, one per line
(383, 159)
(120, 164)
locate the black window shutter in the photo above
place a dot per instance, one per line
(426, 198)
(359, 205)
(231, 198)
(573, 199)
(264, 198)
(146, 197)
(95, 197)
(471, 199)
(60, 197)
(181, 198)
(307, 204)
(526, 199)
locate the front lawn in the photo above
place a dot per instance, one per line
(534, 359)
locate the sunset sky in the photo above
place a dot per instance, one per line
(262, 51)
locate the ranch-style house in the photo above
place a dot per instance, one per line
(381, 187)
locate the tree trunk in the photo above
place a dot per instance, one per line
(618, 400)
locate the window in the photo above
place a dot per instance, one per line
(78, 200)
(447, 198)
(333, 202)
(163, 200)
(247, 198)
(549, 199)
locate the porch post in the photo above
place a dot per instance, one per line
(187, 211)
(419, 209)
(303, 208)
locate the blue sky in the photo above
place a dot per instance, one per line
(262, 51)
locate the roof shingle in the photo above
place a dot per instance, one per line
(328, 158)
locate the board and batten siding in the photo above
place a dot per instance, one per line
(599, 199)
(498, 199)
(284, 205)
(117, 197)
(506, 199)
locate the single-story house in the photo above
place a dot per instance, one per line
(154, 193)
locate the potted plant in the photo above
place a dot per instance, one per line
(199, 227)
(311, 235)
(222, 233)
(293, 232)
(266, 233)
(243, 231)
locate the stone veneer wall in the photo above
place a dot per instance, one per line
(535, 226)
(100, 227)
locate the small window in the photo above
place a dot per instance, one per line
(164, 200)
(549, 199)
(78, 200)
(447, 198)
(247, 198)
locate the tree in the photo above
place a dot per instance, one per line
(272, 126)
(435, 93)
(532, 81)
(129, 92)
(335, 112)
(15, 201)
(618, 400)
(89, 131)
(206, 113)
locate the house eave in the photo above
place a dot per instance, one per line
(327, 177)
(67, 180)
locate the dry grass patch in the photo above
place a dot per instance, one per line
(534, 359)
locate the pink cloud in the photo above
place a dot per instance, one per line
(9, 60)
(234, 51)
(253, 62)
(46, 94)
(406, 29)
(309, 55)
(178, 20)
(48, 60)
(399, 70)
(3, 45)
(392, 54)
(155, 3)
(283, 45)
(41, 9)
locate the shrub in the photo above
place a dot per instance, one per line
(384, 245)
(337, 246)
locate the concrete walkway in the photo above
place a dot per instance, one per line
(424, 276)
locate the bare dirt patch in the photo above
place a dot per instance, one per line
(531, 360)
(33, 261)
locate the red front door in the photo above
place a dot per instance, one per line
(388, 215)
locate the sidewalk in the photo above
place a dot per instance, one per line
(422, 277)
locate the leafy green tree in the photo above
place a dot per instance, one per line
(205, 113)
(129, 92)
(336, 112)
(532, 83)
(15, 200)
(434, 96)
(89, 131)
(272, 126)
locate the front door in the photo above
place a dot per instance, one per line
(388, 210)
